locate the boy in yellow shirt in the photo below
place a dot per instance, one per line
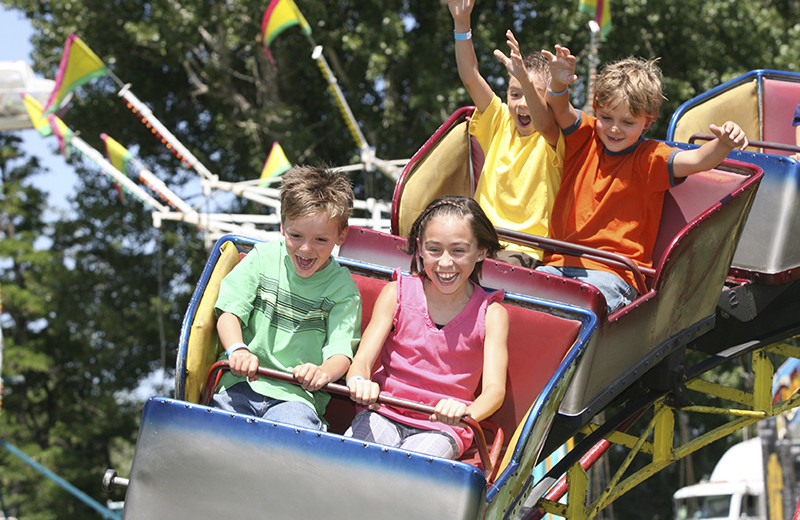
(523, 145)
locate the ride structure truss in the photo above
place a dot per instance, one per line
(657, 443)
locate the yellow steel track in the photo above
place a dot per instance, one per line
(656, 441)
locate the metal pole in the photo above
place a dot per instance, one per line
(83, 497)
(594, 44)
(145, 112)
(333, 85)
(118, 176)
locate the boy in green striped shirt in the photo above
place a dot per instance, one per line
(289, 306)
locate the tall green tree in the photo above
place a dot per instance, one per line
(92, 332)
(81, 315)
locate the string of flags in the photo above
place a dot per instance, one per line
(80, 65)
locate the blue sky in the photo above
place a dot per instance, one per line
(59, 180)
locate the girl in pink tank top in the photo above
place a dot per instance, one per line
(438, 335)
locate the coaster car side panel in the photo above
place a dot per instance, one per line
(761, 101)
(233, 466)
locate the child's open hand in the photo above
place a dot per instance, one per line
(242, 362)
(365, 391)
(449, 411)
(513, 62)
(562, 68)
(310, 376)
(460, 9)
(730, 134)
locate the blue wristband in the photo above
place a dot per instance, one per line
(235, 347)
(462, 36)
(353, 378)
(556, 94)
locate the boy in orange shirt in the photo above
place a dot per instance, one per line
(613, 183)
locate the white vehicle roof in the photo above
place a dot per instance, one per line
(742, 461)
(739, 470)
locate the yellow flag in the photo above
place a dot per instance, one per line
(42, 123)
(117, 155)
(79, 65)
(280, 15)
(601, 9)
(276, 163)
(48, 124)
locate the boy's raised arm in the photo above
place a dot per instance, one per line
(728, 136)
(466, 60)
(562, 75)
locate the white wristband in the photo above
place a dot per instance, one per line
(235, 347)
(353, 378)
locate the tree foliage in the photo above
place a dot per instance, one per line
(84, 310)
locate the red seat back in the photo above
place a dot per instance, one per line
(780, 97)
(687, 200)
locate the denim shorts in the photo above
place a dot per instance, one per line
(240, 398)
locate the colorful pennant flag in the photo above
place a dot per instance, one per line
(601, 9)
(120, 158)
(78, 66)
(280, 15)
(276, 163)
(47, 125)
(34, 109)
(62, 133)
(117, 155)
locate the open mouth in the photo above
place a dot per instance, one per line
(447, 278)
(524, 120)
(305, 263)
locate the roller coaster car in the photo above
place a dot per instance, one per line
(761, 301)
(192, 461)
(701, 224)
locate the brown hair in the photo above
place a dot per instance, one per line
(536, 63)
(459, 206)
(634, 81)
(307, 190)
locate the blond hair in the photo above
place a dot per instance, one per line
(634, 81)
(308, 190)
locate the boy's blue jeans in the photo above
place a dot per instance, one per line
(240, 398)
(617, 292)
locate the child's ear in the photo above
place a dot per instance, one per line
(482, 254)
(342, 236)
(649, 123)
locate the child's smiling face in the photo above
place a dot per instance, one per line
(310, 241)
(449, 252)
(618, 128)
